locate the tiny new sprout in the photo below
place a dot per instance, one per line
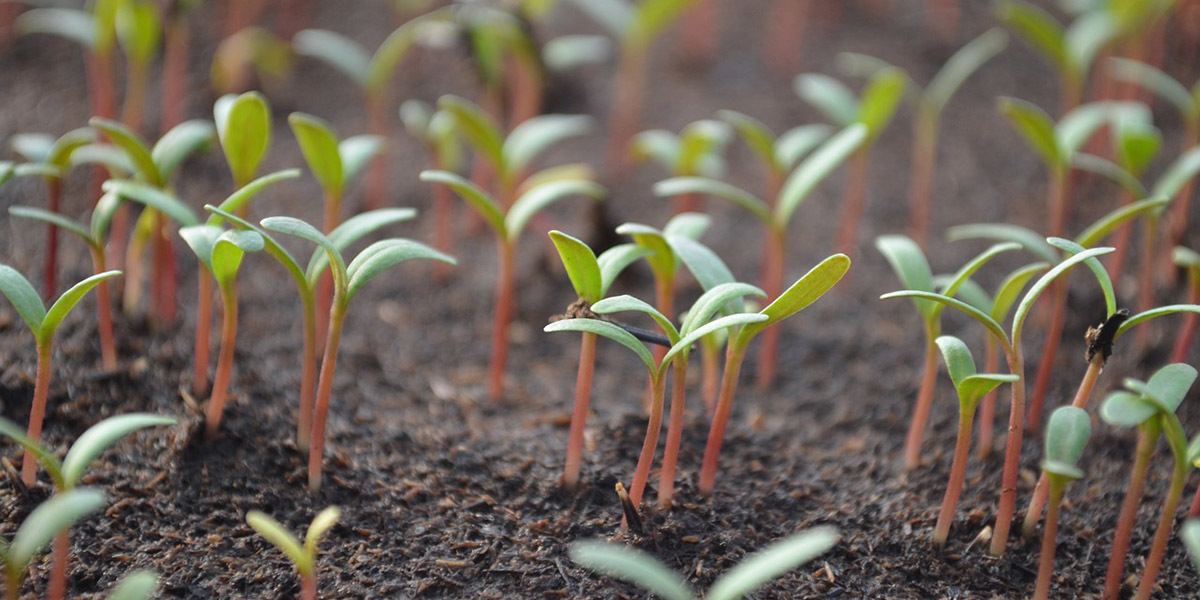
(1189, 260)
(1010, 344)
(910, 265)
(1067, 434)
(1156, 400)
(776, 217)
(874, 110)
(94, 235)
(970, 387)
(695, 151)
(244, 128)
(590, 276)
(50, 159)
(303, 555)
(43, 323)
(435, 128)
(373, 74)
(931, 101)
(333, 163)
(753, 572)
(307, 282)
(348, 280)
(68, 473)
(139, 32)
(50, 519)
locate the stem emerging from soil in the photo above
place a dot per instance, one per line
(308, 376)
(1162, 535)
(646, 458)
(772, 285)
(1012, 454)
(958, 472)
(583, 393)
(1049, 541)
(216, 404)
(56, 589)
(505, 292)
(987, 410)
(37, 413)
(203, 331)
(716, 434)
(920, 418)
(1147, 441)
(666, 481)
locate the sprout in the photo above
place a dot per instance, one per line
(373, 74)
(435, 128)
(333, 163)
(753, 572)
(139, 32)
(220, 253)
(1190, 534)
(50, 519)
(931, 101)
(797, 187)
(505, 59)
(348, 280)
(244, 128)
(1189, 260)
(248, 55)
(94, 235)
(970, 387)
(696, 151)
(307, 284)
(1151, 407)
(1067, 434)
(1010, 344)
(303, 556)
(50, 159)
(43, 323)
(910, 265)
(68, 473)
(590, 276)
(874, 110)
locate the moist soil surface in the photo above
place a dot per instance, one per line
(447, 494)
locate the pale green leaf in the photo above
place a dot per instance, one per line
(134, 146)
(49, 519)
(1043, 282)
(959, 362)
(270, 245)
(139, 585)
(829, 96)
(687, 224)
(705, 266)
(244, 127)
(101, 437)
(1186, 257)
(109, 156)
(201, 239)
(1029, 239)
(72, 24)
(33, 147)
(911, 267)
(808, 289)
(1126, 409)
(538, 134)
(478, 128)
(702, 185)
(383, 255)
(631, 565)
(606, 330)
(965, 62)
(816, 168)
(248, 192)
(538, 198)
(1107, 169)
(1154, 313)
(395, 47)
(1183, 170)
(756, 570)
(685, 343)
(274, 532)
(1037, 128)
(757, 136)
(581, 265)
(475, 197)
(570, 52)
(154, 198)
(1037, 28)
(716, 300)
(880, 100)
(229, 250)
(321, 524)
(795, 143)
(336, 50)
(988, 322)
(44, 457)
(1162, 85)
(67, 301)
(356, 152)
(182, 141)
(649, 19)
(615, 260)
(319, 144)
(626, 303)
(1096, 232)
(139, 30)
(1067, 434)
(55, 219)
(1097, 269)
(974, 387)
(1010, 289)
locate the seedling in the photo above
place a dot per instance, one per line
(435, 128)
(695, 151)
(333, 163)
(505, 59)
(1190, 534)
(778, 154)
(68, 473)
(931, 101)
(806, 290)
(910, 265)
(1066, 436)
(1157, 401)
(139, 32)
(94, 235)
(1190, 261)
(970, 387)
(373, 74)
(244, 128)
(636, 27)
(874, 110)
(50, 519)
(508, 219)
(753, 572)
(303, 556)
(307, 283)
(1010, 344)
(43, 324)
(591, 276)
(798, 186)
(248, 56)
(655, 369)
(348, 280)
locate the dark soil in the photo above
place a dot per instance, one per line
(446, 494)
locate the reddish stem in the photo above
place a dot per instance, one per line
(380, 125)
(56, 588)
(1187, 332)
(216, 404)
(710, 367)
(773, 285)
(177, 39)
(921, 183)
(628, 98)
(1056, 201)
(316, 451)
(785, 34)
(135, 96)
(1145, 294)
(104, 323)
(1180, 206)
(50, 268)
(987, 407)
(854, 202)
(1049, 541)
(203, 330)
(689, 202)
(308, 376)
(37, 412)
(505, 293)
(1162, 535)
(332, 218)
(945, 15)
(1045, 369)
(308, 587)
(583, 394)
(646, 458)
(1012, 455)
(1115, 573)
(525, 87)
(666, 475)
(701, 31)
(716, 433)
(958, 473)
(1120, 241)
(920, 418)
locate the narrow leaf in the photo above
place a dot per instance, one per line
(633, 566)
(383, 255)
(606, 330)
(536, 199)
(335, 50)
(49, 519)
(248, 192)
(911, 267)
(182, 141)
(581, 265)
(756, 570)
(319, 144)
(816, 168)
(806, 290)
(154, 198)
(67, 301)
(829, 96)
(475, 197)
(536, 135)
(626, 303)
(274, 532)
(702, 185)
(101, 437)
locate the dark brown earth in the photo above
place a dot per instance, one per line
(448, 495)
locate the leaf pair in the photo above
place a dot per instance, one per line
(334, 164)
(436, 128)
(95, 30)
(874, 109)
(1070, 49)
(636, 25)
(303, 556)
(1140, 401)
(696, 150)
(156, 165)
(1067, 434)
(47, 521)
(592, 275)
(970, 385)
(1058, 144)
(43, 322)
(48, 156)
(94, 234)
(221, 251)
(782, 153)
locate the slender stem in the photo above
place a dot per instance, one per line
(56, 589)
(785, 34)
(104, 322)
(505, 292)
(958, 473)
(773, 280)
(924, 403)
(664, 302)
(229, 310)
(332, 218)
(12, 585)
(1056, 201)
(316, 451)
(1114, 575)
(1045, 369)
(1146, 279)
(203, 331)
(177, 39)
(686, 203)
(702, 32)
(666, 481)
(308, 376)
(163, 278)
(716, 433)
(1162, 535)
(583, 394)
(628, 98)
(1012, 453)
(854, 201)
(37, 412)
(710, 366)
(50, 268)
(987, 410)
(135, 95)
(308, 586)
(653, 427)
(1187, 331)
(945, 16)
(920, 200)
(526, 90)
(1181, 205)
(1049, 541)
(380, 124)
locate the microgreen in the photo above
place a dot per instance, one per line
(244, 129)
(1151, 406)
(303, 555)
(249, 54)
(753, 572)
(508, 216)
(333, 163)
(591, 276)
(43, 323)
(348, 280)
(1190, 261)
(505, 58)
(1067, 434)
(874, 109)
(50, 519)
(695, 151)
(971, 387)
(793, 191)
(139, 33)
(435, 128)
(307, 282)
